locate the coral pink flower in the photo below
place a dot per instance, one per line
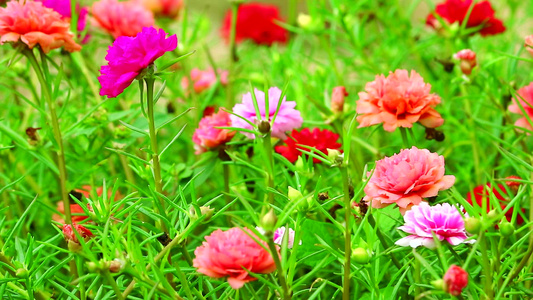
(443, 220)
(164, 8)
(230, 254)
(322, 140)
(467, 60)
(337, 99)
(128, 56)
(287, 118)
(406, 178)
(256, 22)
(529, 44)
(524, 100)
(398, 100)
(121, 18)
(204, 79)
(482, 14)
(70, 236)
(34, 24)
(207, 136)
(482, 195)
(455, 280)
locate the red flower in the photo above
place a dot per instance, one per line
(256, 22)
(456, 11)
(455, 280)
(481, 193)
(319, 139)
(70, 236)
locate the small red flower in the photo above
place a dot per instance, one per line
(481, 194)
(319, 139)
(456, 11)
(256, 22)
(70, 236)
(455, 280)
(467, 60)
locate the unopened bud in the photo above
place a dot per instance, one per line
(21, 273)
(335, 156)
(337, 99)
(506, 228)
(304, 21)
(264, 126)
(269, 221)
(294, 194)
(204, 211)
(467, 60)
(438, 284)
(116, 265)
(472, 225)
(360, 255)
(491, 215)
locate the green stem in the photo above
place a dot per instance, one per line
(233, 54)
(275, 255)
(347, 234)
(405, 140)
(114, 285)
(472, 131)
(417, 276)
(5, 260)
(225, 168)
(383, 241)
(486, 265)
(45, 89)
(267, 144)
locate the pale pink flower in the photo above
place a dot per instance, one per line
(443, 220)
(406, 178)
(206, 136)
(398, 100)
(121, 18)
(524, 100)
(202, 80)
(467, 60)
(337, 99)
(230, 254)
(529, 44)
(287, 118)
(280, 232)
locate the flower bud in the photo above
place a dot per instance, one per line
(491, 215)
(455, 280)
(264, 126)
(438, 284)
(335, 156)
(116, 265)
(506, 228)
(337, 99)
(304, 20)
(93, 267)
(360, 255)
(467, 60)
(70, 235)
(204, 211)
(472, 225)
(21, 273)
(294, 194)
(268, 222)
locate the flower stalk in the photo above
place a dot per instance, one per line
(347, 234)
(275, 255)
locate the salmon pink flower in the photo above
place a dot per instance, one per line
(121, 18)
(398, 100)
(70, 236)
(164, 8)
(128, 56)
(406, 178)
(467, 60)
(34, 24)
(256, 22)
(207, 136)
(442, 220)
(455, 280)
(322, 140)
(456, 11)
(523, 101)
(337, 99)
(529, 44)
(202, 80)
(232, 254)
(287, 118)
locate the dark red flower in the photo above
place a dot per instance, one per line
(456, 11)
(319, 139)
(455, 280)
(256, 22)
(70, 236)
(481, 193)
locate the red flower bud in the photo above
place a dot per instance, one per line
(70, 236)
(337, 99)
(455, 280)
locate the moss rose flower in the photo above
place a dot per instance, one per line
(482, 194)
(443, 220)
(128, 56)
(482, 14)
(230, 254)
(121, 18)
(455, 280)
(164, 8)
(523, 101)
(256, 22)
(206, 136)
(319, 139)
(34, 24)
(406, 178)
(202, 80)
(398, 100)
(70, 236)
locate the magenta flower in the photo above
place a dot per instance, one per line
(444, 220)
(128, 56)
(207, 136)
(280, 232)
(406, 178)
(287, 119)
(63, 8)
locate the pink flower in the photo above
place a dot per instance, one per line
(70, 236)
(337, 99)
(467, 60)
(230, 254)
(398, 100)
(33, 24)
(202, 80)
(121, 18)
(128, 56)
(529, 44)
(524, 101)
(206, 136)
(443, 220)
(455, 280)
(63, 7)
(280, 232)
(287, 118)
(406, 178)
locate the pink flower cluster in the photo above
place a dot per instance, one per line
(207, 136)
